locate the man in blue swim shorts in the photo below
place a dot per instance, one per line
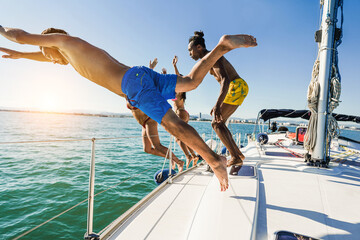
(143, 88)
(149, 91)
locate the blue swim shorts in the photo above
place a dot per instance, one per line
(149, 91)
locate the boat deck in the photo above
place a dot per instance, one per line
(190, 206)
(284, 195)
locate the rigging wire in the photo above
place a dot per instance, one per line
(76, 205)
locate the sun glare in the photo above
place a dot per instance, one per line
(49, 103)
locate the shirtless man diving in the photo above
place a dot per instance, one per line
(138, 84)
(233, 91)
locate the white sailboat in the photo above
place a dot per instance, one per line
(276, 194)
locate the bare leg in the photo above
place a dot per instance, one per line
(201, 68)
(225, 135)
(194, 158)
(191, 138)
(185, 149)
(189, 153)
(152, 145)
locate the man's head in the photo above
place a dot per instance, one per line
(51, 53)
(54, 30)
(196, 47)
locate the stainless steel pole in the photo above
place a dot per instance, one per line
(91, 190)
(326, 50)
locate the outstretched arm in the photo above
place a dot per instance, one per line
(220, 71)
(12, 34)
(22, 37)
(174, 62)
(37, 56)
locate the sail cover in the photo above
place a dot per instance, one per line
(267, 114)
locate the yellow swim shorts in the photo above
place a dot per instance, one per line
(238, 90)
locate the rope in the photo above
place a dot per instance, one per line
(313, 99)
(333, 129)
(335, 91)
(29, 231)
(338, 159)
(67, 210)
(340, 153)
(167, 156)
(73, 140)
(295, 154)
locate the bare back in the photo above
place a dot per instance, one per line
(94, 63)
(179, 102)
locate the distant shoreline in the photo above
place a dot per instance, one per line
(128, 115)
(111, 115)
(114, 115)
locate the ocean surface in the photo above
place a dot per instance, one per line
(41, 180)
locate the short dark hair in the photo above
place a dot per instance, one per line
(54, 30)
(183, 96)
(198, 38)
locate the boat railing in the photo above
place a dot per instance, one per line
(89, 233)
(91, 191)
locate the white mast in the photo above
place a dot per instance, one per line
(325, 57)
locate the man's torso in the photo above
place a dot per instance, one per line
(230, 70)
(94, 64)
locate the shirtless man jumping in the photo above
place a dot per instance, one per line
(150, 134)
(233, 91)
(179, 108)
(144, 88)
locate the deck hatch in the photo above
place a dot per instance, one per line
(284, 235)
(244, 171)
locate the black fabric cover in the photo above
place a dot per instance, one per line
(267, 114)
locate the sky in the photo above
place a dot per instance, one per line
(278, 70)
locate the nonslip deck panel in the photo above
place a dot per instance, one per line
(307, 202)
(284, 194)
(192, 204)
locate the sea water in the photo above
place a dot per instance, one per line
(41, 180)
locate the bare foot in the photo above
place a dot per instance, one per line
(180, 166)
(195, 159)
(220, 171)
(188, 161)
(173, 164)
(230, 42)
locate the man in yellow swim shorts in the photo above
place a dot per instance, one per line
(233, 91)
(238, 90)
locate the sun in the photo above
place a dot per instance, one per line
(48, 103)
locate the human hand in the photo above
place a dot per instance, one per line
(175, 60)
(216, 113)
(153, 64)
(10, 53)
